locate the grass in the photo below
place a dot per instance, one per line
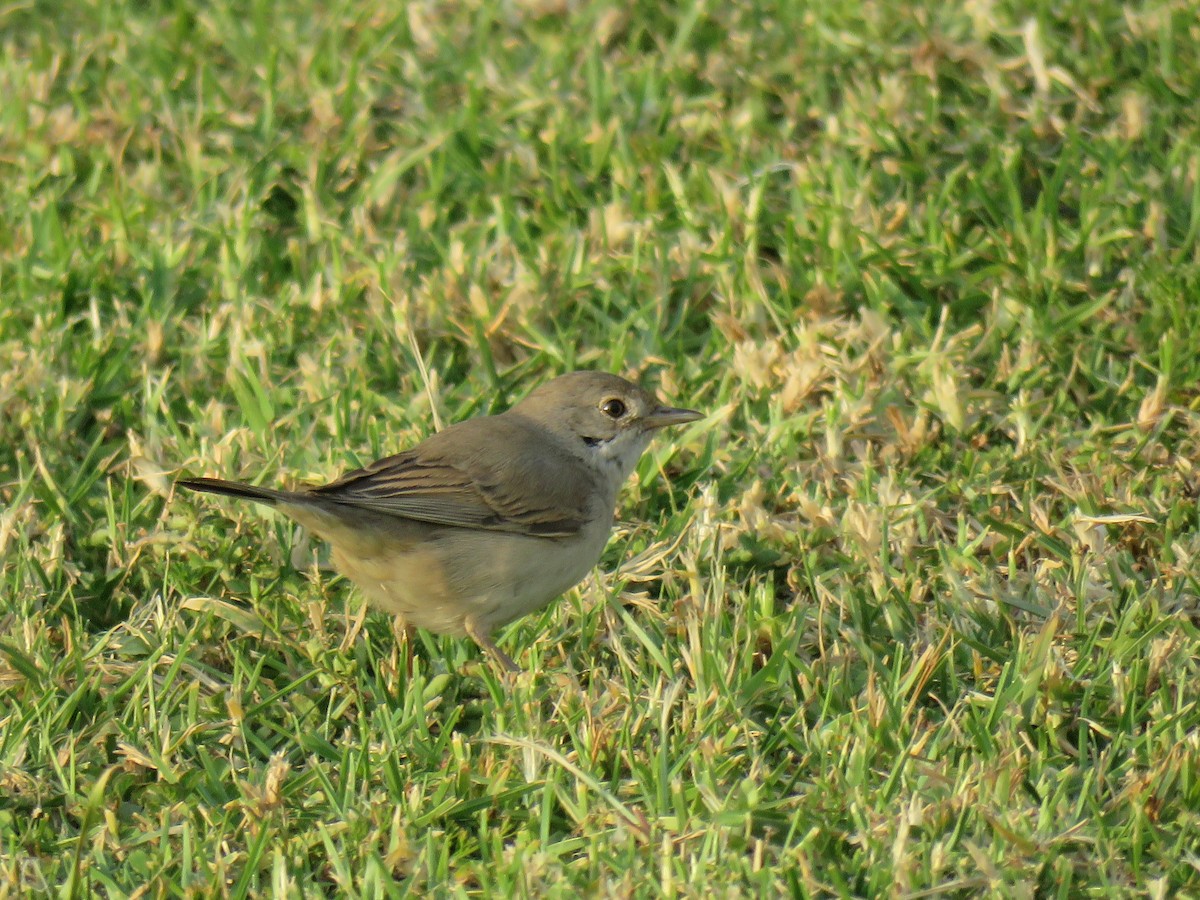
(914, 612)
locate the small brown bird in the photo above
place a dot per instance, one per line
(491, 518)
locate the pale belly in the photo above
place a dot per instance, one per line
(435, 578)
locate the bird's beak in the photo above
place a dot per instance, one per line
(669, 415)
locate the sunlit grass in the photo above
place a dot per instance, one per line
(913, 610)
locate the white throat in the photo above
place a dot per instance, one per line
(617, 457)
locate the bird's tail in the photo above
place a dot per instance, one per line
(269, 496)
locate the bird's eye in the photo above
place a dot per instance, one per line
(613, 408)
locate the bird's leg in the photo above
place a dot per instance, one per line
(355, 628)
(484, 640)
(399, 626)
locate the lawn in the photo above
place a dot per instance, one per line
(913, 612)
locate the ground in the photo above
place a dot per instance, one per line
(912, 612)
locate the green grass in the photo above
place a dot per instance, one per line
(914, 612)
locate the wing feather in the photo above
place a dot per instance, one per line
(464, 477)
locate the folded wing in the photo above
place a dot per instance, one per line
(469, 481)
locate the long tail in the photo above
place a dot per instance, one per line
(270, 496)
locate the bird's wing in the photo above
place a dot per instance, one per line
(488, 473)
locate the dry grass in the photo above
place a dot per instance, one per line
(913, 613)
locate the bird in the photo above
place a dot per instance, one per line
(489, 519)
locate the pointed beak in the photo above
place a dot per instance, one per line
(669, 415)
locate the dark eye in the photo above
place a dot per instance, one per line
(613, 408)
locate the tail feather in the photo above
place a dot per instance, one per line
(270, 496)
